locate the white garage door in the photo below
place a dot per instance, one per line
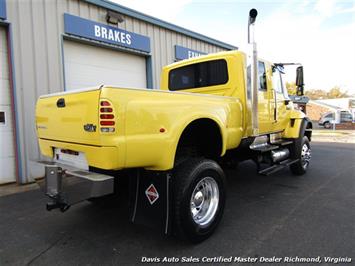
(88, 66)
(7, 147)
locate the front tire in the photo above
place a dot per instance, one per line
(327, 125)
(301, 151)
(199, 199)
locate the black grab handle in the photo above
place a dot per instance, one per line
(61, 103)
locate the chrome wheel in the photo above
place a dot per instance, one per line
(199, 198)
(327, 125)
(306, 155)
(204, 201)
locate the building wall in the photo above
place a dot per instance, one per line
(315, 111)
(37, 29)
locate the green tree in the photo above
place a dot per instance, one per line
(333, 93)
(336, 92)
(316, 94)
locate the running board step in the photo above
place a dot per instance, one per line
(265, 148)
(282, 142)
(277, 167)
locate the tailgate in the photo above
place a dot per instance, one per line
(69, 117)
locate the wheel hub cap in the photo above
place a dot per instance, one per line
(204, 201)
(306, 155)
(198, 199)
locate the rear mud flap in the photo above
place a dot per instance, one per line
(150, 199)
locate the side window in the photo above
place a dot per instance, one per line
(2, 118)
(262, 76)
(276, 81)
(345, 117)
(330, 116)
(205, 74)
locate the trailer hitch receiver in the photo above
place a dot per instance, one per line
(66, 185)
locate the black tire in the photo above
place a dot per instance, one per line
(187, 176)
(327, 125)
(301, 166)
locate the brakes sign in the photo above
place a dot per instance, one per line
(152, 194)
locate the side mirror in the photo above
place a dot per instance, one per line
(299, 80)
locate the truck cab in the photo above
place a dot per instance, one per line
(232, 78)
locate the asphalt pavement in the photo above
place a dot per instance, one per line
(329, 135)
(275, 216)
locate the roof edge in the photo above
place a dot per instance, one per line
(138, 15)
(324, 105)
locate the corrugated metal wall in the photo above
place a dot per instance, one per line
(37, 28)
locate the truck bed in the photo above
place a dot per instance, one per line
(115, 128)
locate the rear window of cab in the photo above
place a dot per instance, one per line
(204, 74)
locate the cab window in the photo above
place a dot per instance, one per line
(262, 76)
(204, 74)
(276, 81)
(330, 116)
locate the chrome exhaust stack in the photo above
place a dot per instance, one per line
(254, 72)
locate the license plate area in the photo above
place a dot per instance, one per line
(70, 157)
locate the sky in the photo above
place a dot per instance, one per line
(320, 34)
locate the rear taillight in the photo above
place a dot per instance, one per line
(106, 110)
(107, 123)
(107, 117)
(105, 103)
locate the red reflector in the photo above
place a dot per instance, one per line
(105, 103)
(107, 116)
(106, 110)
(69, 152)
(107, 123)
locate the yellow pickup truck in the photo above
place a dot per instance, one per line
(213, 110)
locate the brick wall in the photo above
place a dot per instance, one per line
(314, 111)
(345, 125)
